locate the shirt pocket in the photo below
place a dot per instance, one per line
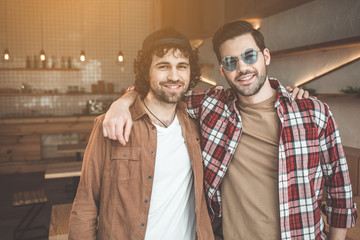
(124, 162)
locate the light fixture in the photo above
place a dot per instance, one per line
(333, 69)
(82, 52)
(208, 81)
(6, 57)
(42, 52)
(82, 56)
(256, 22)
(120, 56)
(196, 43)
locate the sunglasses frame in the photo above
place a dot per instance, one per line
(242, 57)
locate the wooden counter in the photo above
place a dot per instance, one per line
(59, 221)
(45, 125)
(20, 138)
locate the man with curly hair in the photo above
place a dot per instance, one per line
(153, 187)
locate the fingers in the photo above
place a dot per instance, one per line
(109, 128)
(295, 92)
(289, 89)
(306, 94)
(300, 94)
(105, 133)
(119, 133)
(127, 130)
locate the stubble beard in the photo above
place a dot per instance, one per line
(168, 97)
(248, 91)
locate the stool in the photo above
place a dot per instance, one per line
(35, 199)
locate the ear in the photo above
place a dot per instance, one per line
(221, 71)
(267, 56)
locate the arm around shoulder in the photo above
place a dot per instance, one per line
(118, 122)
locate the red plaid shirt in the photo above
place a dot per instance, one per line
(310, 154)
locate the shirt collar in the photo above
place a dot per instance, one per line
(282, 93)
(274, 83)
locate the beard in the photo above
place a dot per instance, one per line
(251, 89)
(168, 97)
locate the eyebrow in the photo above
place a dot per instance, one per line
(164, 62)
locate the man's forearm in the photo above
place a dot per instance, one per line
(337, 233)
(128, 99)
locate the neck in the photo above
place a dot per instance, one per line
(160, 113)
(265, 92)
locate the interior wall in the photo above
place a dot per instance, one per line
(315, 22)
(63, 28)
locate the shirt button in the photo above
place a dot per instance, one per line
(152, 152)
(236, 129)
(221, 169)
(229, 150)
(149, 177)
(125, 155)
(142, 224)
(152, 127)
(212, 187)
(146, 201)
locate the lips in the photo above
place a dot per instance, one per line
(173, 87)
(246, 78)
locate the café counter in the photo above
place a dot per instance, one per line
(20, 138)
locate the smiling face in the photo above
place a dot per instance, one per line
(247, 79)
(169, 77)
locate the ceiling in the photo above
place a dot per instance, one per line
(200, 18)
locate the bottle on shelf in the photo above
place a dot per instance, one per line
(35, 62)
(28, 62)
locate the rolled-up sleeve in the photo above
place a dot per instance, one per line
(340, 208)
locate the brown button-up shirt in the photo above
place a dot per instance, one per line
(113, 197)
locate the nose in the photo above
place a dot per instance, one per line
(242, 66)
(173, 74)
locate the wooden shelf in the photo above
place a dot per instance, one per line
(339, 96)
(54, 94)
(319, 47)
(39, 69)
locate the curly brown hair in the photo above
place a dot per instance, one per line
(160, 43)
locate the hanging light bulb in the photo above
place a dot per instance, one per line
(82, 56)
(42, 52)
(120, 57)
(6, 55)
(42, 55)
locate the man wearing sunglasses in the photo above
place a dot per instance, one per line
(266, 155)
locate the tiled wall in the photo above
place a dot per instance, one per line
(68, 27)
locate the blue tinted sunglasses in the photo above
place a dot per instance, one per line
(249, 56)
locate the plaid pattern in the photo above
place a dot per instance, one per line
(310, 154)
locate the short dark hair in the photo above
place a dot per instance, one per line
(160, 43)
(235, 29)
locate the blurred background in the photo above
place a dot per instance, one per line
(64, 62)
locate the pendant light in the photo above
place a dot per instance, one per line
(6, 57)
(82, 56)
(120, 56)
(42, 52)
(82, 52)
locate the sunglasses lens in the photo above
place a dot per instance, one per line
(249, 56)
(229, 63)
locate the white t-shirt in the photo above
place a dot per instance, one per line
(172, 204)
